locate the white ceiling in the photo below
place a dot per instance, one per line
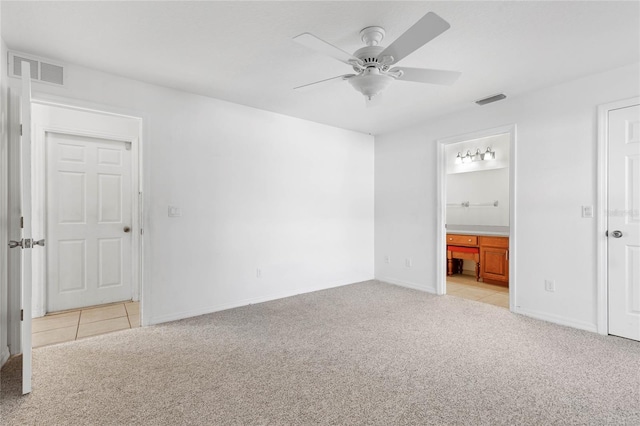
(242, 51)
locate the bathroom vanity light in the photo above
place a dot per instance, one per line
(478, 156)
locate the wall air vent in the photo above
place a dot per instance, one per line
(42, 70)
(490, 99)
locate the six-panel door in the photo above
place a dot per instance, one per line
(89, 214)
(624, 222)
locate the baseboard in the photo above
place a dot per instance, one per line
(244, 302)
(557, 319)
(4, 356)
(407, 284)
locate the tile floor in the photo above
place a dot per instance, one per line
(467, 287)
(75, 324)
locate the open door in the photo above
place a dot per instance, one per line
(26, 242)
(25, 207)
(623, 234)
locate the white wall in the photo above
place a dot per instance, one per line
(555, 173)
(481, 187)
(256, 189)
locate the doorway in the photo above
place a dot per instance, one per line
(87, 204)
(476, 216)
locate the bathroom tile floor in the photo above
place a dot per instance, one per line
(75, 324)
(466, 287)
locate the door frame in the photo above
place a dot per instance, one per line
(40, 167)
(602, 207)
(441, 216)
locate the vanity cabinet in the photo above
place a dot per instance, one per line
(494, 256)
(494, 260)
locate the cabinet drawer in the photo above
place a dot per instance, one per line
(502, 242)
(462, 240)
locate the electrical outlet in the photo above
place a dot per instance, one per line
(387, 259)
(550, 285)
(408, 262)
(175, 211)
(258, 273)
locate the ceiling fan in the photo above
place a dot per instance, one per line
(373, 62)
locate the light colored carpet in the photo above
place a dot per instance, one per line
(368, 353)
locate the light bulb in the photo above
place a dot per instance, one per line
(489, 155)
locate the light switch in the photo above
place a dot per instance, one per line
(550, 285)
(587, 211)
(175, 211)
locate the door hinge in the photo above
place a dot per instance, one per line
(21, 314)
(21, 222)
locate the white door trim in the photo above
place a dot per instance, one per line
(602, 313)
(441, 216)
(136, 193)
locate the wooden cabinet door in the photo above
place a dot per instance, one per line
(495, 264)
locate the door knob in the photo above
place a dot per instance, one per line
(14, 244)
(126, 229)
(616, 234)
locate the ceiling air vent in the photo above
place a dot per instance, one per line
(490, 99)
(42, 70)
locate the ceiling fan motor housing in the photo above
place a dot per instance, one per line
(369, 56)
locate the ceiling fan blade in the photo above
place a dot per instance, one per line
(424, 75)
(340, 77)
(321, 46)
(426, 29)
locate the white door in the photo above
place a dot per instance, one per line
(26, 243)
(89, 221)
(624, 222)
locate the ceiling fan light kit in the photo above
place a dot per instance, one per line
(370, 82)
(373, 62)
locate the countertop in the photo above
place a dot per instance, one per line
(500, 231)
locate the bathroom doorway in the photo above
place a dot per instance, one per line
(476, 217)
